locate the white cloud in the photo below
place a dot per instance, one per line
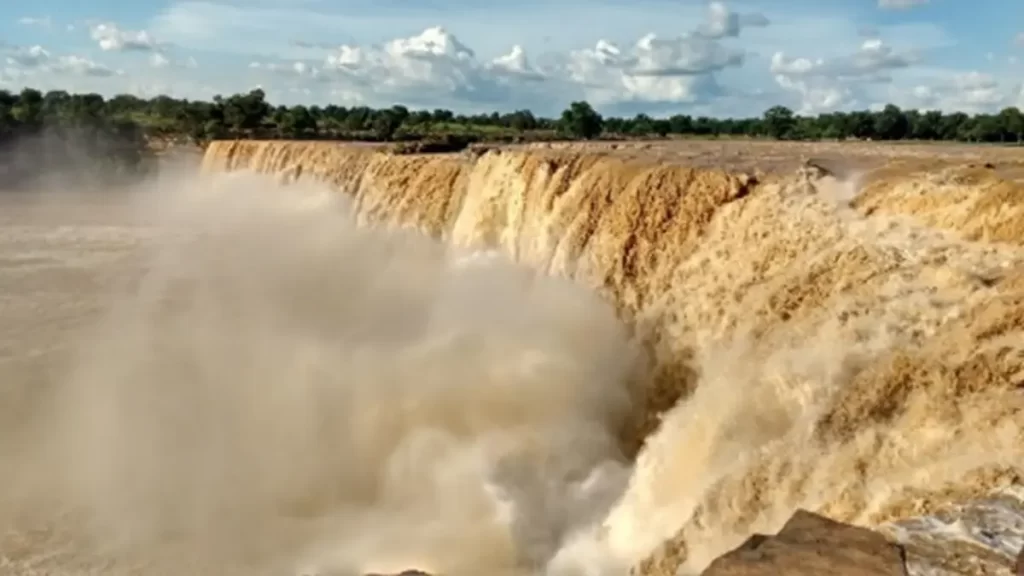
(724, 63)
(817, 97)
(1019, 39)
(162, 61)
(161, 72)
(28, 57)
(431, 67)
(301, 70)
(622, 60)
(42, 22)
(516, 63)
(652, 70)
(111, 38)
(971, 92)
(723, 23)
(830, 84)
(900, 4)
(280, 29)
(876, 73)
(224, 27)
(32, 60)
(435, 68)
(873, 59)
(82, 66)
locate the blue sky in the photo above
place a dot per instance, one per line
(654, 56)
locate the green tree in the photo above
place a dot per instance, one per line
(680, 124)
(29, 107)
(927, 126)
(891, 123)
(56, 106)
(581, 121)
(522, 120)
(7, 121)
(359, 118)
(779, 122)
(297, 122)
(94, 122)
(951, 126)
(385, 124)
(246, 112)
(400, 114)
(441, 116)
(420, 118)
(984, 128)
(705, 126)
(805, 128)
(1013, 123)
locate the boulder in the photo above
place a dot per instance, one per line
(815, 168)
(812, 545)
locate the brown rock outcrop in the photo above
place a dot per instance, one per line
(812, 545)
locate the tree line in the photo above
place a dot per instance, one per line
(130, 119)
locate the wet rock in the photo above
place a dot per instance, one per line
(816, 168)
(812, 545)
(963, 535)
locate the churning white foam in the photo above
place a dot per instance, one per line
(287, 391)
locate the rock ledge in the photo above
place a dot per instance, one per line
(812, 545)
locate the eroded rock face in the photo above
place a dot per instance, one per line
(812, 545)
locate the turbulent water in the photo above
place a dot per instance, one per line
(531, 363)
